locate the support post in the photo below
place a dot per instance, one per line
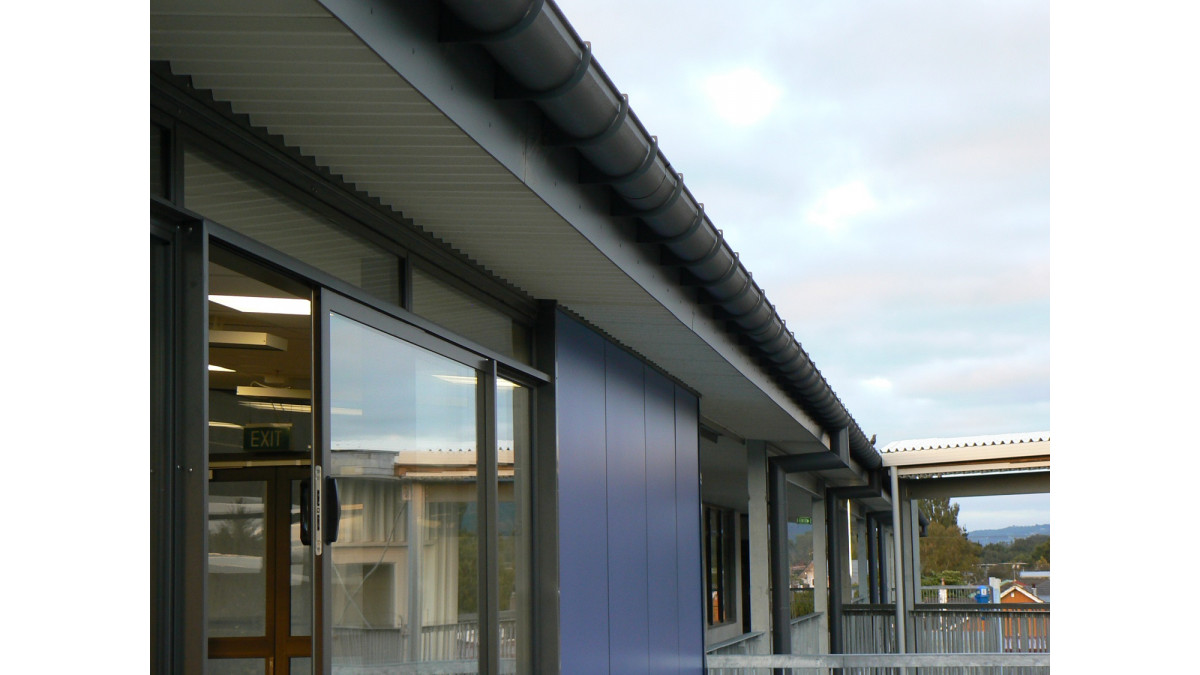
(759, 535)
(821, 572)
(881, 588)
(898, 558)
(835, 520)
(909, 532)
(872, 560)
(781, 605)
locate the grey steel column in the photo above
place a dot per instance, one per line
(544, 602)
(898, 555)
(759, 535)
(835, 524)
(872, 560)
(881, 564)
(487, 532)
(781, 601)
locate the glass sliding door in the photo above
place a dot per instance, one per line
(403, 437)
(259, 578)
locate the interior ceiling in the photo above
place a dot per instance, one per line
(299, 73)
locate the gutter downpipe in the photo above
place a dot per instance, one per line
(543, 60)
(898, 555)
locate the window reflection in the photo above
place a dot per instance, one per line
(237, 553)
(403, 433)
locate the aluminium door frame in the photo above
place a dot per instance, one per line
(179, 427)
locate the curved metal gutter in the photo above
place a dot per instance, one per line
(543, 60)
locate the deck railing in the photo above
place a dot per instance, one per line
(986, 639)
(441, 643)
(949, 594)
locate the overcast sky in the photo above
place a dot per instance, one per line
(883, 170)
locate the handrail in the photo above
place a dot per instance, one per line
(744, 637)
(807, 617)
(976, 660)
(964, 607)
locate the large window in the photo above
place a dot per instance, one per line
(413, 564)
(719, 565)
(433, 562)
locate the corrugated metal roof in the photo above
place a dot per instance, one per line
(966, 441)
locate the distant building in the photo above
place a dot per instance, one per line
(1018, 592)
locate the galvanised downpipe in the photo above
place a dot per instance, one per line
(543, 60)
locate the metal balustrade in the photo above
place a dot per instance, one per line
(456, 643)
(967, 638)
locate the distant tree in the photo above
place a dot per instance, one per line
(940, 511)
(945, 548)
(1040, 557)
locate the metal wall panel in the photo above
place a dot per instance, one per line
(582, 500)
(662, 524)
(627, 559)
(629, 512)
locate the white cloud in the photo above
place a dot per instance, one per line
(742, 97)
(842, 204)
(878, 384)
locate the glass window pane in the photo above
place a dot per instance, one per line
(237, 555)
(403, 434)
(259, 367)
(221, 193)
(470, 318)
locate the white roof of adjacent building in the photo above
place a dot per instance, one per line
(966, 441)
(997, 452)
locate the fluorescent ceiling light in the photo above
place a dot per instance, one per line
(274, 392)
(278, 407)
(220, 369)
(241, 339)
(470, 379)
(224, 425)
(258, 305)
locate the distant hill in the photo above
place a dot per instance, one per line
(1006, 535)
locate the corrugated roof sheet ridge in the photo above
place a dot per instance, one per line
(966, 441)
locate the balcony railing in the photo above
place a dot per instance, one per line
(951, 629)
(948, 594)
(984, 638)
(448, 648)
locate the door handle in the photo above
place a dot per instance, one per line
(306, 511)
(333, 513)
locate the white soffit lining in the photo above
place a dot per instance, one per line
(299, 73)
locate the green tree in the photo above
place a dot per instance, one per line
(945, 550)
(940, 511)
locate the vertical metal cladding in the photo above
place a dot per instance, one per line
(629, 503)
(545, 61)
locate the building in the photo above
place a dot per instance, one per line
(451, 372)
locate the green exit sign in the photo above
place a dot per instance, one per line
(804, 520)
(265, 437)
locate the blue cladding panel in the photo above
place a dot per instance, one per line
(627, 562)
(661, 524)
(582, 501)
(629, 513)
(687, 487)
